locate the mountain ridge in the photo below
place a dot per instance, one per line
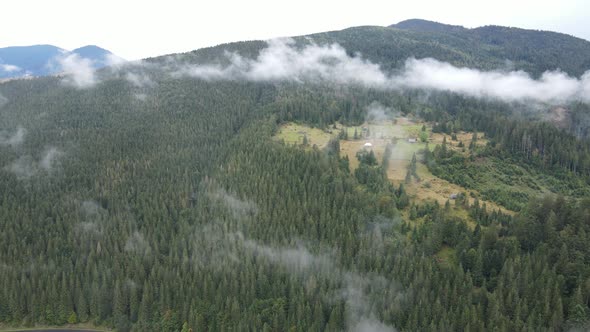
(485, 48)
(155, 197)
(38, 60)
(423, 25)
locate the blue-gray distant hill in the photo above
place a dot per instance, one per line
(40, 60)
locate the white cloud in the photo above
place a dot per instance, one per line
(360, 316)
(13, 139)
(299, 260)
(24, 167)
(91, 208)
(9, 68)
(79, 71)
(137, 244)
(377, 112)
(114, 60)
(49, 158)
(281, 60)
(139, 80)
(140, 96)
(371, 325)
(239, 208)
(551, 87)
(586, 85)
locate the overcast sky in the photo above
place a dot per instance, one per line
(137, 29)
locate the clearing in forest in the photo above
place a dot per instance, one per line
(402, 133)
(404, 136)
(433, 188)
(462, 137)
(295, 134)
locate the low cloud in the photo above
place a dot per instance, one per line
(551, 87)
(49, 158)
(137, 244)
(139, 80)
(360, 316)
(140, 96)
(282, 60)
(357, 289)
(26, 166)
(9, 68)
(78, 71)
(239, 208)
(114, 60)
(91, 213)
(137, 73)
(130, 284)
(13, 139)
(377, 112)
(91, 208)
(297, 259)
(371, 325)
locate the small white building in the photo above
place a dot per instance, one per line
(368, 145)
(412, 140)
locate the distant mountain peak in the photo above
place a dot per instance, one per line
(426, 26)
(38, 60)
(90, 50)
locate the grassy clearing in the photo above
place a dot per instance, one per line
(397, 170)
(401, 154)
(432, 188)
(380, 134)
(465, 137)
(447, 256)
(293, 134)
(351, 147)
(381, 130)
(429, 188)
(413, 130)
(400, 159)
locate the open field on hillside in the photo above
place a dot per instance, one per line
(402, 134)
(465, 137)
(293, 134)
(434, 188)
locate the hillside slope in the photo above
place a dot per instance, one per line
(240, 194)
(534, 51)
(485, 48)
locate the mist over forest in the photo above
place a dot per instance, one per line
(416, 177)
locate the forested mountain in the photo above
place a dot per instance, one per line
(160, 196)
(487, 48)
(531, 50)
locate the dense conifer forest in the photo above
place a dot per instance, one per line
(166, 205)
